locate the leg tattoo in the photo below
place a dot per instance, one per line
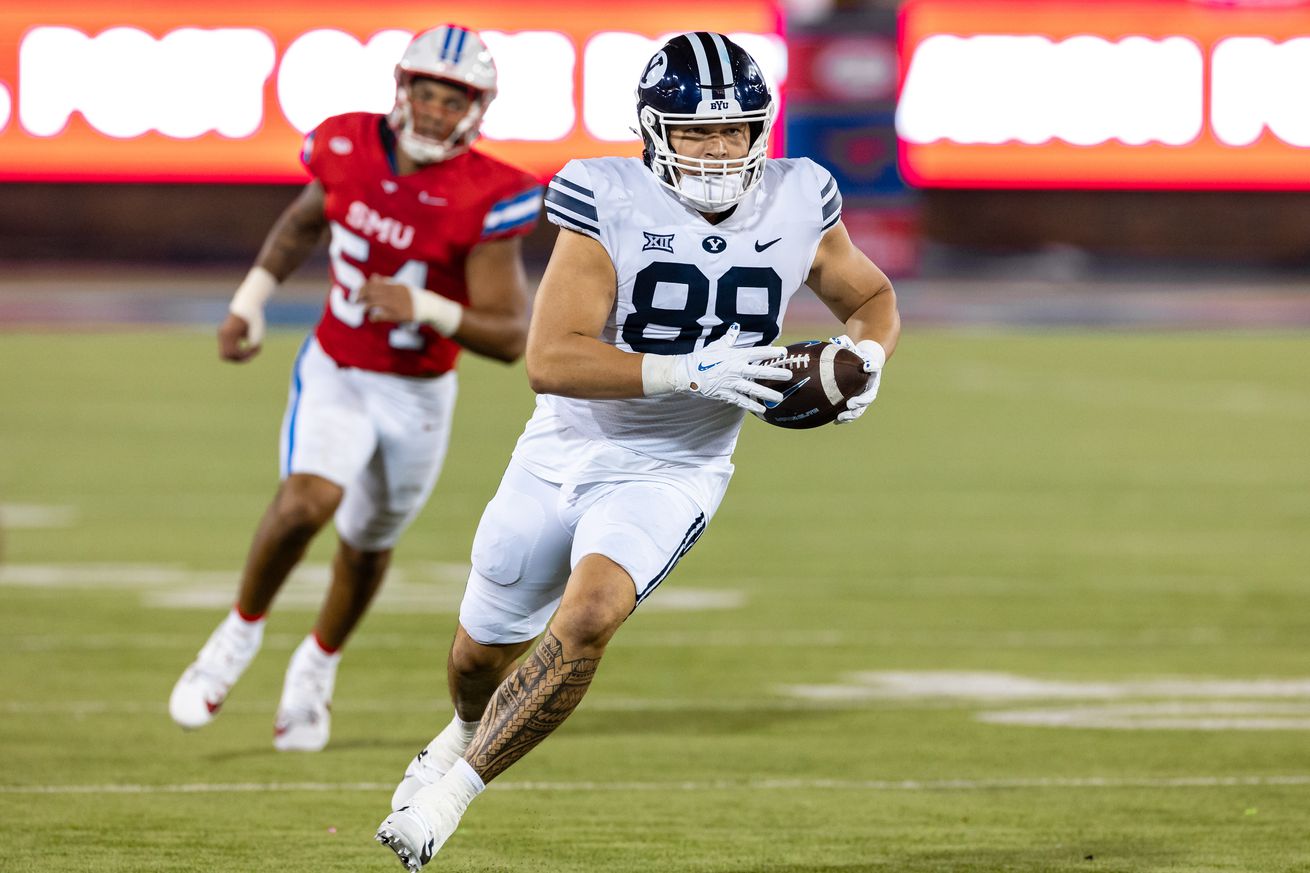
(528, 706)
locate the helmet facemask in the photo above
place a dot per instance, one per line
(708, 184)
(425, 149)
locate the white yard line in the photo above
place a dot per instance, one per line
(639, 637)
(989, 687)
(35, 516)
(347, 705)
(1227, 715)
(1153, 703)
(424, 587)
(1286, 780)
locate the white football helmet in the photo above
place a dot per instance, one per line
(453, 54)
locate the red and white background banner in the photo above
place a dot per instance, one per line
(223, 92)
(1198, 94)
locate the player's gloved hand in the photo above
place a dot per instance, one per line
(242, 332)
(875, 358)
(717, 371)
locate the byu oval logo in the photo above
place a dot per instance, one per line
(713, 244)
(655, 70)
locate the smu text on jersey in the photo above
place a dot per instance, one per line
(368, 222)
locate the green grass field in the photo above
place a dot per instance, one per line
(1046, 608)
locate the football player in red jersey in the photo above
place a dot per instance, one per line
(425, 259)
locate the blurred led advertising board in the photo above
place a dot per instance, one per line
(1194, 94)
(223, 92)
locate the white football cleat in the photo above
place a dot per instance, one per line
(302, 729)
(407, 833)
(205, 684)
(304, 715)
(418, 831)
(434, 761)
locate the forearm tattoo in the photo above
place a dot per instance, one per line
(533, 701)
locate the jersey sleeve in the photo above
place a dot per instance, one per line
(571, 200)
(513, 215)
(307, 150)
(829, 198)
(322, 153)
(315, 144)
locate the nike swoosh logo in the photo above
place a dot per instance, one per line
(789, 392)
(704, 367)
(213, 705)
(760, 248)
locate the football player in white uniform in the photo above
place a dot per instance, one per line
(666, 288)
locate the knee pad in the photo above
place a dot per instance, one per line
(507, 536)
(491, 618)
(520, 562)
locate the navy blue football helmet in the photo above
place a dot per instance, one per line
(696, 79)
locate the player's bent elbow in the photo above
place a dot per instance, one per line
(506, 345)
(547, 373)
(510, 350)
(540, 379)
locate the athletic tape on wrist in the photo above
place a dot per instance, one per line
(874, 351)
(657, 375)
(431, 308)
(252, 294)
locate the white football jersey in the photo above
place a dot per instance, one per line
(681, 282)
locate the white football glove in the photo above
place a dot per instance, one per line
(717, 371)
(875, 358)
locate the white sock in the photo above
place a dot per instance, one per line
(457, 788)
(465, 729)
(443, 803)
(311, 654)
(249, 632)
(449, 745)
(463, 772)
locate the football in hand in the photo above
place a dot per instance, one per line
(824, 377)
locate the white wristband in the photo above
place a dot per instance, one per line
(253, 293)
(874, 352)
(657, 374)
(248, 302)
(431, 308)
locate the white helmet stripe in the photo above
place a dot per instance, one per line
(723, 58)
(702, 62)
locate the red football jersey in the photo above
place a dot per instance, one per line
(418, 229)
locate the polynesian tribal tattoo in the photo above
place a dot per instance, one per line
(533, 701)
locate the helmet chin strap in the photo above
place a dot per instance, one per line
(423, 150)
(707, 193)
